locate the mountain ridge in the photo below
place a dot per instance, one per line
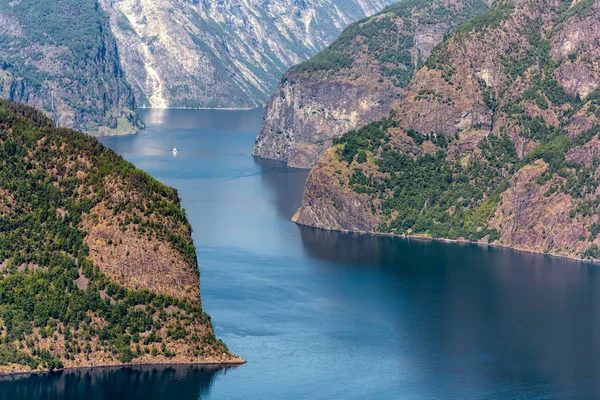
(88, 64)
(494, 142)
(357, 79)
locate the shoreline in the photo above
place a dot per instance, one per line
(98, 135)
(457, 241)
(227, 364)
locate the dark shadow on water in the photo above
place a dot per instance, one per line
(180, 382)
(505, 315)
(286, 183)
(367, 249)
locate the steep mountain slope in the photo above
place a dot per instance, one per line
(204, 53)
(358, 79)
(60, 56)
(495, 141)
(97, 264)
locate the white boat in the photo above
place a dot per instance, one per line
(175, 151)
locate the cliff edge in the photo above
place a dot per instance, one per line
(358, 79)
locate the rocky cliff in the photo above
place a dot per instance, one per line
(358, 79)
(97, 264)
(84, 62)
(60, 57)
(495, 140)
(204, 53)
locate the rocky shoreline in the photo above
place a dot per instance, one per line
(443, 240)
(223, 364)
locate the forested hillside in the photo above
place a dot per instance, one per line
(97, 264)
(495, 141)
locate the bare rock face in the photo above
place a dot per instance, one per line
(546, 218)
(356, 80)
(222, 54)
(306, 113)
(334, 207)
(495, 140)
(84, 62)
(61, 58)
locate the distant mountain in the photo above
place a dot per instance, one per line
(86, 63)
(496, 140)
(97, 263)
(228, 53)
(60, 56)
(358, 79)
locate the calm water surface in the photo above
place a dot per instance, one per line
(322, 315)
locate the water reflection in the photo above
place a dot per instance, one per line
(202, 120)
(144, 382)
(287, 185)
(156, 116)
(489, 314)
(351, 248)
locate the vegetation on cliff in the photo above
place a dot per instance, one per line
(72, 216)
(388, 38)
(60, 56)
(427, 194)
(357, 79)
(496, 140)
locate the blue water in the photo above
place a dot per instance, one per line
(324, 315)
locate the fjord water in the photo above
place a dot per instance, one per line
(325, 315)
